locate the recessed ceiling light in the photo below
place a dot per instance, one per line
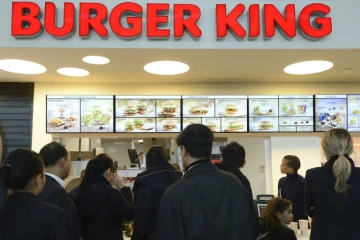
(21, 66)
(308, 67)
(166, 68)
(98, 60)
(73, 72)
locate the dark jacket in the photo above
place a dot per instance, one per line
(102, 209)
(54, 193)
(149, 187)
(206, 204)
(291, 188)
(236, 171)
(335, 216)
(25, 217)
(282, 233)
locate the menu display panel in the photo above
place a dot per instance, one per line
(148, 113)
(353, 104)
(263, 113)
(97, 114)
(216, 112)
(330, 112)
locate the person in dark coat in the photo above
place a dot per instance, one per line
(149, 187)
(292, 186)
(332, 192)
(23, 216)
(101, 206)
(57, 169)
(233, 158)
(277, 215)
(207, 203)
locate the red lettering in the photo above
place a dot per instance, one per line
(273, 18)
(223, 21)
(25, 22)
(254, 21)
(153, 20)
(323, 25)
(135, 22)
(87, 22)
(180, 23)
(50, 22)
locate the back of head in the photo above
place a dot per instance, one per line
(155, 157)
(293, 162)
(52, 152)
(95, 169)
(338, 144)
(234, 154)
(275, 205)
(197, 139)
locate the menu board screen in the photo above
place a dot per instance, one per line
(296, 113)
(330, 112)
(148, 113)
(216, 112)
(97, 114)
(263, 113)
(353, 113)
(62, 114)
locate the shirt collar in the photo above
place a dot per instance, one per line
(59, 180)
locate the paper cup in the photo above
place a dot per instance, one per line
(294, 226)
(304, 227)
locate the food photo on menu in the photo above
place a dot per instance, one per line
(97, 115)
(135, 125)
(231, 107)
(63, 115)
(135, 108)
(168, 108)
(168, 125)
(263, 107)
(264, 124)
(353, 112)
(198, 108)
(330, 113)
(190, 121)
(296, 107)
(234, 124)
(214, 124)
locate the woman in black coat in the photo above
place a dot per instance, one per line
(149, 187)
(332, 192)
(102, 207)
(22, 215)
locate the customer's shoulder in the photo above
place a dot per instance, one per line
(313, 171)
(48, 209)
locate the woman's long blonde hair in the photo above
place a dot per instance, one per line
(338, 143)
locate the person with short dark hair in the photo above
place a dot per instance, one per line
(207, 203)
(149, 187)
(22, 215)
(233, 158)
(57, 168)
(292, 186)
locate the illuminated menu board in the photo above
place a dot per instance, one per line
(296, 113)
(353, 104)
(148, 113)
(263, 113)
(219, 113)
(330, 112)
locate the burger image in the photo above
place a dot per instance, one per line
(199, 110)
(265, 125)
(129, 126)
(235, 126)
(141, 108)
(138, 123)
(231, 108)
(169, 125)
(130, 111)
(169, 108)
(212, 126)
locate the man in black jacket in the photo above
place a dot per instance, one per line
(207, 203)
(57, 168)
(233, 158)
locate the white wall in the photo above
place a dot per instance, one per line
(306, 148)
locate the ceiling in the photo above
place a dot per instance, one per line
(205, 65)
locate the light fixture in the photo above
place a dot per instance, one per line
(166, 68)
(73, 72)
(97, 60)
(308, 67)
(21, 66)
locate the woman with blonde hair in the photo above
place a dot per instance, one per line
(332, 192)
